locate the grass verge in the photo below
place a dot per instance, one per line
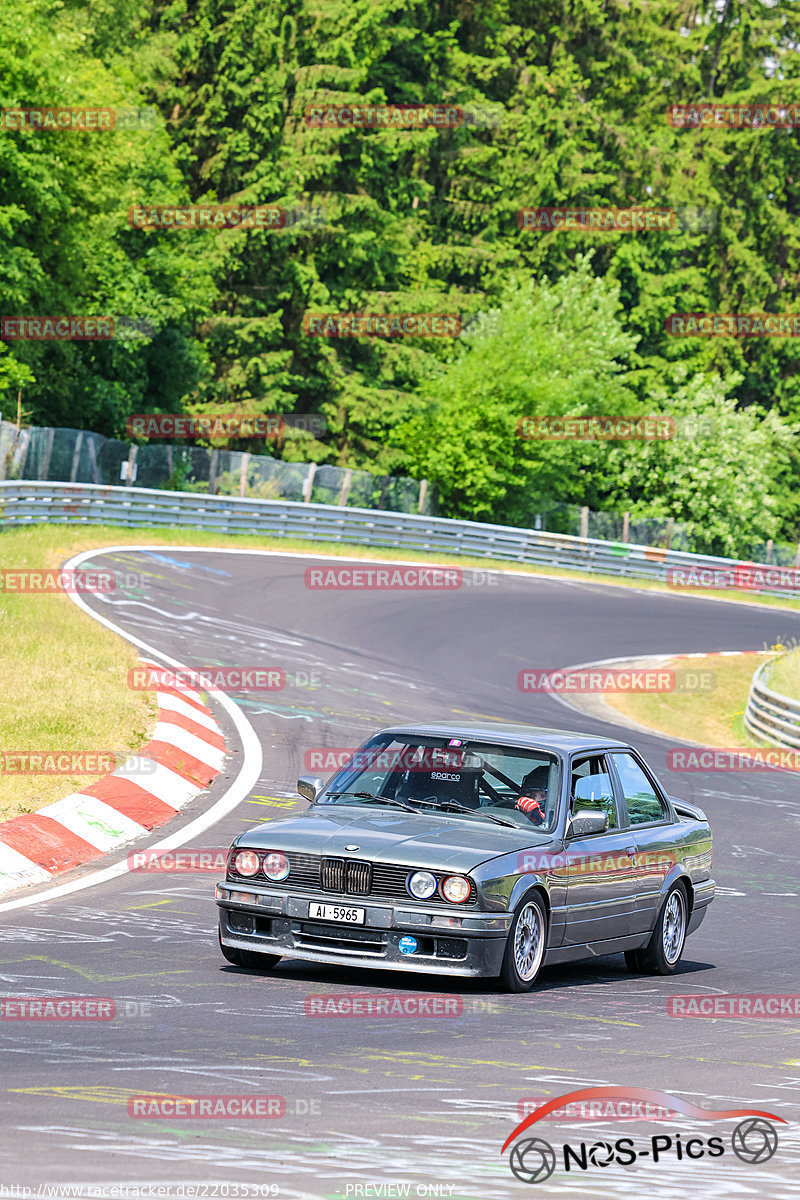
(784, 675)
(713, 718)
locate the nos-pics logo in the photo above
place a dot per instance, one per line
(533, 1160)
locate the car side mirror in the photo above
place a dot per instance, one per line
(309, 787)
(586, 821)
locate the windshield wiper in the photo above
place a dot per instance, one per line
(454, 806)
(379, 799)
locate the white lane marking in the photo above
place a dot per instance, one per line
(97, 823)
(243, 784)
(175, 704)
(190, 742)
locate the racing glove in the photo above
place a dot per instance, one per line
(532, 808)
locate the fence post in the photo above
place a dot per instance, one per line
(423, 488)
(132, 456)
(626, 525)
(344, 491)
(308, 486)
(45, 467)
(212, 471)
(76, 457)
(768, 555)
(584, 521)
(92, 456)
(243, 474)
(670, 531)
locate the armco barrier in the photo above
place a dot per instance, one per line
(29, 503)
(770, 716)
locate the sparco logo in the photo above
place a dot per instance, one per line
(533, 1160)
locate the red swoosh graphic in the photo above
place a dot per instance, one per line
(663, 1099)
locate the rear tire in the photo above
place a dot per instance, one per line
(663, 952)
(527, 939)
(248, 958)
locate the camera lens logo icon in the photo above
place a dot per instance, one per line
(533, 1160)
(754, 1140)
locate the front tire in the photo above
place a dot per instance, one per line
(527, 938)
(247, 958)
(663, 952)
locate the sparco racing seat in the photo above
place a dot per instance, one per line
(456, 784)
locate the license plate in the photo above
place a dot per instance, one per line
(337, 912)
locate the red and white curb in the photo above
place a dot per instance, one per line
(183, 756)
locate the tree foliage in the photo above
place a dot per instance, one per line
(571, 97)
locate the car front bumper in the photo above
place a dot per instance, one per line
(271, 922)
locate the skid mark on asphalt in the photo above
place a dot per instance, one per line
(96, 976)
(95, 1094)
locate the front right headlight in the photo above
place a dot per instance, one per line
(456, 889)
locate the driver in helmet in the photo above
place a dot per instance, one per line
(532, 798)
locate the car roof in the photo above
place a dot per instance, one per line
(529, 736)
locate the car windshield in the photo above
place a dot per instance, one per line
(461, 778)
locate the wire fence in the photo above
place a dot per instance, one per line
(78, 456)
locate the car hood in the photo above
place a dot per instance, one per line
(392, 836)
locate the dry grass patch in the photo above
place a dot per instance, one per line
(713, 718)
(784, 675)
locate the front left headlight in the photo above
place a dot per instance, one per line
(422, 885)
(455, 889)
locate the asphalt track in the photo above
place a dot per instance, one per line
(404, 1106)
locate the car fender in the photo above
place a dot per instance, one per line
(527, 883)
(677, 872)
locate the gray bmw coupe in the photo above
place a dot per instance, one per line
(473, 850)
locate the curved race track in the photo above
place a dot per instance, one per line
(406, 1106)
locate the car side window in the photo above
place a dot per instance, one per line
(642, 801)
(591, 789)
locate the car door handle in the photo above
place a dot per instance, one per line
(631, 850)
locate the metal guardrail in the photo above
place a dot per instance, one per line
(28, 503)
(770, 716)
